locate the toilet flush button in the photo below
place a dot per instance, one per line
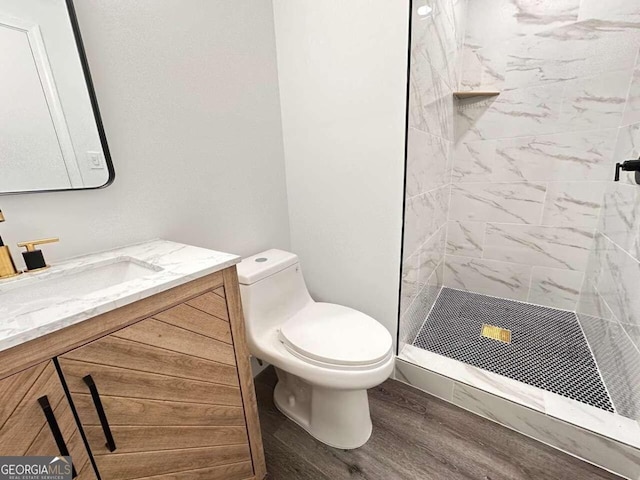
(261, 259)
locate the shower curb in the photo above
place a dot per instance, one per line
(606, 453)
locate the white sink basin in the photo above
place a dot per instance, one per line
(77, 282)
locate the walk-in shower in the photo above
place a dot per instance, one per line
(514, 226)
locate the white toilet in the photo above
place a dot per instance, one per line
(326, 355)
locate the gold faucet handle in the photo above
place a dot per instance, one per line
(32, 244)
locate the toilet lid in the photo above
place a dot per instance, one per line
(337, 335)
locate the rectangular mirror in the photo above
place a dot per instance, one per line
(51, 135)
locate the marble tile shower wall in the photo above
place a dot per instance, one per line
(609, 306)
(436, 41)
(532, 165)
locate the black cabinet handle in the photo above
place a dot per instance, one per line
(111, 444)
(55, 430)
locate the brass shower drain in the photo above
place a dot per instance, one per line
(496, 333)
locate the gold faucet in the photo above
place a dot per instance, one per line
(7, 267)
(33, 257)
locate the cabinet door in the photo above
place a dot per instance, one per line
(36, 419)
(161, 397)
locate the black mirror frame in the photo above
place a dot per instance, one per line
(73, 19)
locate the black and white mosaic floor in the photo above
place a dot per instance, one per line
(547, 350)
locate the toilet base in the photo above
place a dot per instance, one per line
(338, 418)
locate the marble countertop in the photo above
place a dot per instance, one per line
(159, 265)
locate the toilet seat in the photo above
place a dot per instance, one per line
(332, 335)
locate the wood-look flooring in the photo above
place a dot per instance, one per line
(415, 437)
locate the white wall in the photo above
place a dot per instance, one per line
(189, 97)
(342, 69)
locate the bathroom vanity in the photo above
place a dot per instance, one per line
(133, 362)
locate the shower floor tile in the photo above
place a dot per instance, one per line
(547, 349)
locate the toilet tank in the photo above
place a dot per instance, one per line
(272, 289)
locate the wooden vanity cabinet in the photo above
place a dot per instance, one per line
(163, 387)
(36, 419)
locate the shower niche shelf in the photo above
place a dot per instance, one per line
(475, 93)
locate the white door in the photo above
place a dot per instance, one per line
(28, 135)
